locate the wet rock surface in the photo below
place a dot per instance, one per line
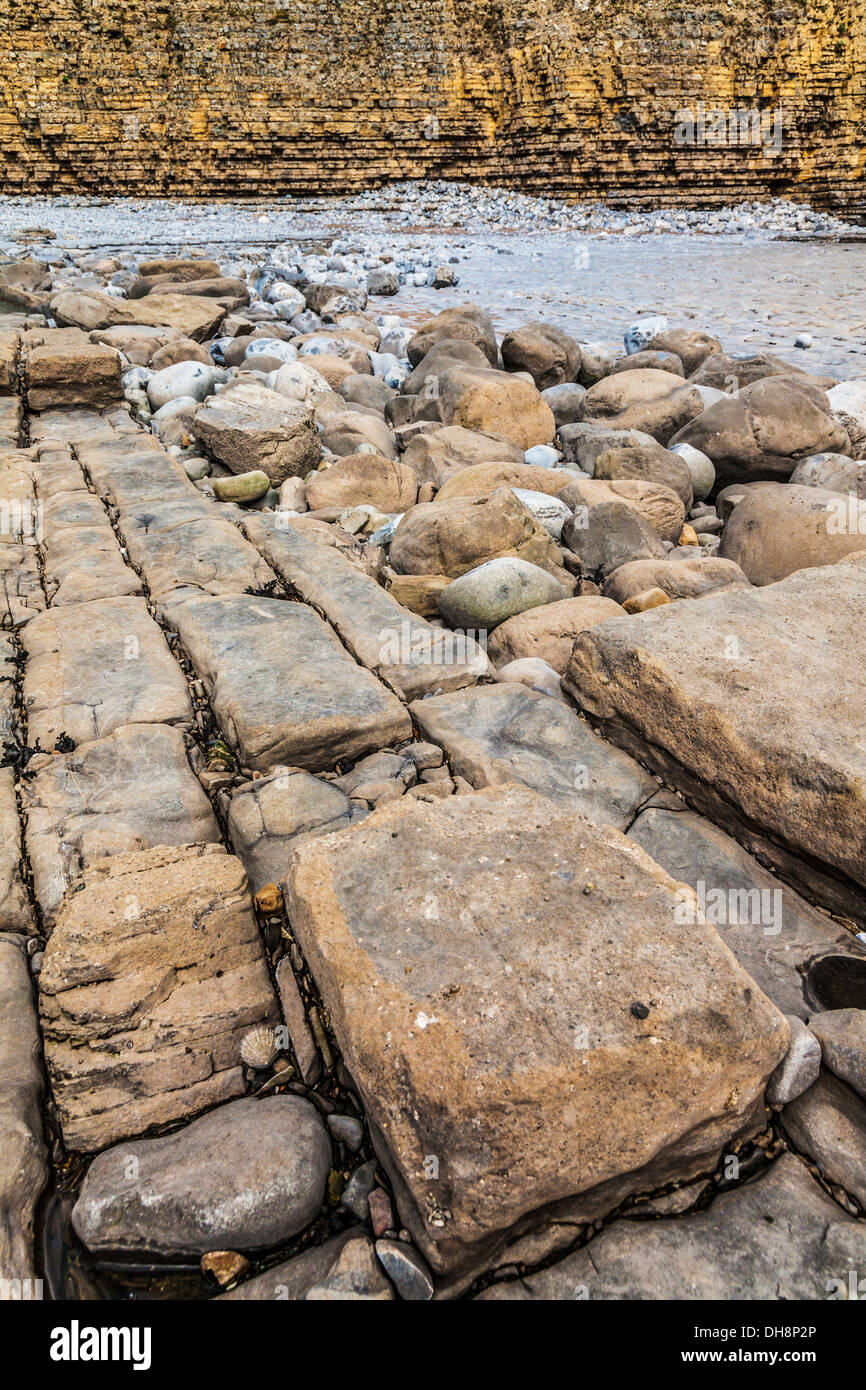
(806, 1239)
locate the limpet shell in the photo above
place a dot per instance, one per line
(259, 1047)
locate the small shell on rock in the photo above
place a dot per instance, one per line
(259, 1047)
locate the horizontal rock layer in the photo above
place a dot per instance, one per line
(313, 97)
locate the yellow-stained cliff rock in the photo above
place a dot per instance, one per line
(563, 97)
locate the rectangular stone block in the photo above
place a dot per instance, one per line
(752, 701)
(81, 556)
(524, 1018)
(60, 376)
(282, 687)
(94, 666)
(133, 790)
(152, 976)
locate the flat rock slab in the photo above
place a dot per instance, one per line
(131, 791)
(282, 686)
(780, 1237)
(502, 976)
(81, 555)
(173, 534)
(11, 414)
(756, 694)
(773, 932)
(136, 472)
(343, 1269)
(509, 733)
(23, 1166)
(207, 553)
(152, 976)
(16, 914)
(396, 644)
(247, 1176)
(94, 666)
(269, 816)
(194, 316)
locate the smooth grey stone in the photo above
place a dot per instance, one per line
(356, 1193)
(496, 590)
(246, 1176)
(346, 1129)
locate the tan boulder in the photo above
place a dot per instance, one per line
(689, 578)
(691, 345)
(363, 478)
(546, 352)
(480, 480)
(332, 368)
(351, 431)
(179, 350)
(647, 599)
(656, 503)
(723, 371)
(649, 463)
(444, 453)
(765, 430)
(785, 527)
(247, 427)
(60, 377)
(139, 341)
(418, 592)
(453, 537)
(496, 403)
(448, 352)
(548, 632)
(192, 315)
(658, 403)
(466, 323)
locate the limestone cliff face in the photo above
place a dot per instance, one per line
(572, 97)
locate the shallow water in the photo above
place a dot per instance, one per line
(751, 291)
(752, 295)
